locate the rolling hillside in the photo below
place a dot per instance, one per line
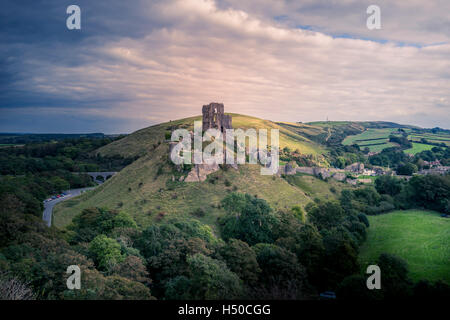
(419, 237)
(142, 141)
(147, 189)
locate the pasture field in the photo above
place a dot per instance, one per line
(431, 137)
(375, 139)
(418, 147)
(417, 236)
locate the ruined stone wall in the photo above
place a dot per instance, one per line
(215, 118)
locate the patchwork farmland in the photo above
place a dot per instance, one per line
(430, 137)
(374, 139)
(378, 139)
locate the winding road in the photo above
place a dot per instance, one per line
(48, 206)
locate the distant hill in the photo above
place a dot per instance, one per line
(331, 133)
(23, 138)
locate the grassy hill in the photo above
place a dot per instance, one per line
(418, 147)
(374, 139)
(336, 132)
(146, 190)
(142, 141)
(419, 237)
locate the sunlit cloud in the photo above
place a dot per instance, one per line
(198, 51)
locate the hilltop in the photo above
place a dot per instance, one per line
(142, 141)
(149, 188)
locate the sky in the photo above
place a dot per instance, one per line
(137, 63)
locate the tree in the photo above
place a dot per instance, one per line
(133, 268)
(123, 220)
(171, 261)
(241, 259)
(106, 252)
(363, 218)
(13, 289)
(59, 184)
(388, 185)
(299, 213)
(248, 219)
(325, 215)
(118, 288)
(178, 288)
(93, 221)
(278, 265)
(395, 281)
(430, 191)
(406, 169)
(212, 280)
(340, 258)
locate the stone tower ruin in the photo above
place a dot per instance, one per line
(214, 117)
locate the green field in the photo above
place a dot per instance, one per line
(420, 237)
(431, 137)
(418, 147)
(374, 139)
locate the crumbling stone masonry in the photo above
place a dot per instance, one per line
(214, 117)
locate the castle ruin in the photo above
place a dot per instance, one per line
(214, 117)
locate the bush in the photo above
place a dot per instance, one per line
(106, 252)
(199, 212)
(363, 218)
(248, 219)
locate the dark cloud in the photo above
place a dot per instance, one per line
(140, 62)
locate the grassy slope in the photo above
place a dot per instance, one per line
(138, 190)
(382, 135)
(314, 187)
(141, 141)
(419, 237)
(304, 128)
(435, 138)
(418, 147)
(149, 196)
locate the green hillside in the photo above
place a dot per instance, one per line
(374, 139)
(419, 237)
(142, 141)
(418, 147)
(146, 190)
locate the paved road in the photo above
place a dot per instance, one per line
(48, 206)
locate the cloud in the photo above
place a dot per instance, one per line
(151, 62)
(411, 22)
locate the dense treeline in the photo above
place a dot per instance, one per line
(342, 156)
(33, 172)
(260, 253)
(255, 253)
(37, 257)
(404, 164)
(74, 155)
(421, 191)
(27, 138)
(402, 140)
